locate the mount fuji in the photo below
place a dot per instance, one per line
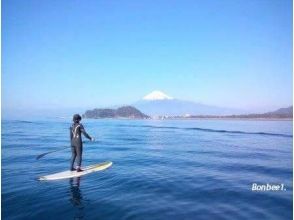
(157, 95)
(158, 103)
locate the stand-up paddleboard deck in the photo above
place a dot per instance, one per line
(72, 174)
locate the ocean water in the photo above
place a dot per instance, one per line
(178, 169)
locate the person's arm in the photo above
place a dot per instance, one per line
(70, 133)
(85, 133)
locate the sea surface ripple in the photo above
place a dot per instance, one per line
(181, 169)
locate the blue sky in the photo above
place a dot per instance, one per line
(70, 54)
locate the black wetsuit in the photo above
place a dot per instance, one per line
(76, 143)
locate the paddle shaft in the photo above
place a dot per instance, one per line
(44, 154)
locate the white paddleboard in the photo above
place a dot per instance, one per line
(72, 174)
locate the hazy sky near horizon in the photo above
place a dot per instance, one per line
(66, 54)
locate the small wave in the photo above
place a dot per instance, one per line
(216, 130)
(24, 122)
(127, 139)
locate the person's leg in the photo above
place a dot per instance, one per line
(79, 150)
(73, 157)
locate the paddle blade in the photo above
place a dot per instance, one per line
(40, 156)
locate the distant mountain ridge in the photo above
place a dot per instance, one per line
(282, 113)
(133, 113)
(122, 112)
(158, 103)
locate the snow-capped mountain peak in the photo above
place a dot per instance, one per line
(156, 95)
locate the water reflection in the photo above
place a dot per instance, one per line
(76, 198)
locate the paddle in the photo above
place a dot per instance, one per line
(44, 154)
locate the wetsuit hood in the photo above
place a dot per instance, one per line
(76, 118)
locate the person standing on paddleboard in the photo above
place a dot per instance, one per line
(76, 142)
